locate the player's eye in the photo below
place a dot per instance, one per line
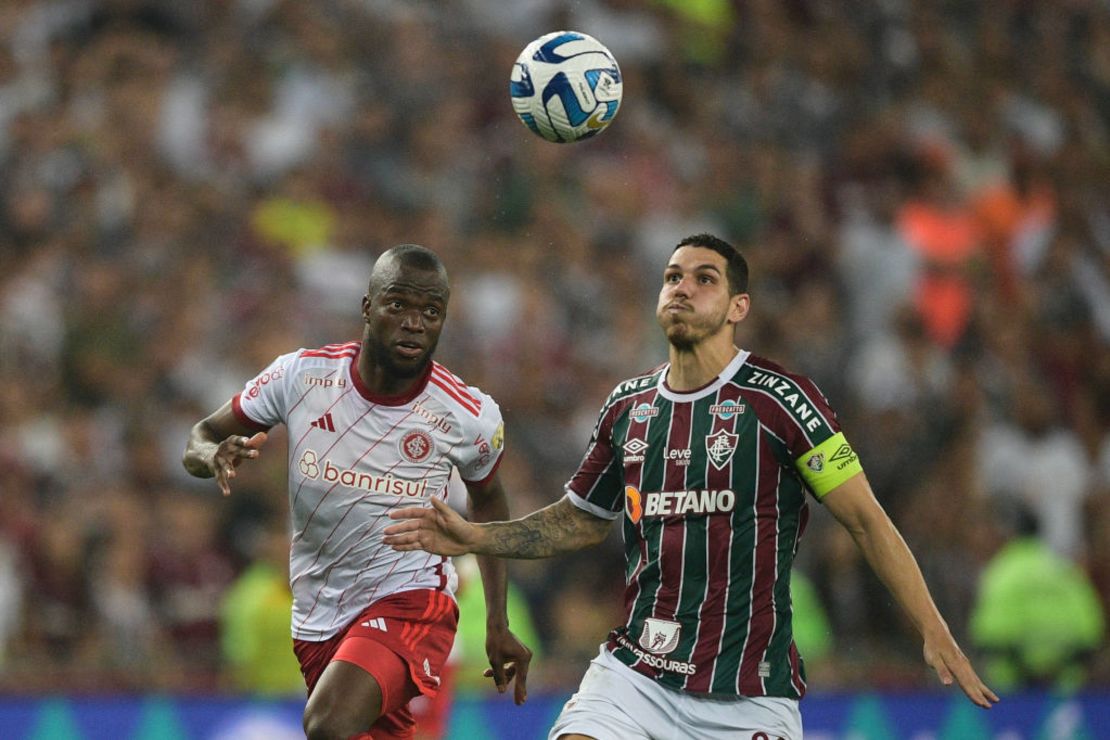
(672, 277)
(706, 279)
(431, 312)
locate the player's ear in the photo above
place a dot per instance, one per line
(738, 308)
(366, 308)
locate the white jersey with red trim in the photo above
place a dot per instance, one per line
(353, 457)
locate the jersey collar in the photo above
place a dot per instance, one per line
(398, 400)
(711, 387)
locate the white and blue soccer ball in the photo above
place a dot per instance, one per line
(566, 86)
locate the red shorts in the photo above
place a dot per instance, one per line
(402, 641)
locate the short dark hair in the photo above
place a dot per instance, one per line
(405, 255)
(416, 256)
(737, 266)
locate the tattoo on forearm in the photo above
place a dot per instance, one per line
(552, 530)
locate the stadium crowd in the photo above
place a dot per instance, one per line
(187, 190)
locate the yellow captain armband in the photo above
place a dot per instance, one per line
(829, 464)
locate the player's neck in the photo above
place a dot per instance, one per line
(380, 382)
(698, 366)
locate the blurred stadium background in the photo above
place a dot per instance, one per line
(189, 189)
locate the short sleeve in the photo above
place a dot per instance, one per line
(479, 460)
(597, 484)
(262, 403)
(808, 425)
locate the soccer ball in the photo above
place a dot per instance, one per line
(566, 86)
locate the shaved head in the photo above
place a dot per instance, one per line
(402, 258)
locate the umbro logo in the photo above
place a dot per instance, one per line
(634, 450)
(841, 452)
(325, 423)
(377, 623)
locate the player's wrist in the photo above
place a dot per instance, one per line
(478, 540)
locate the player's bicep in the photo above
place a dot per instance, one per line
(853, 504)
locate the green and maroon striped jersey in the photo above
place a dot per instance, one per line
(712, 487)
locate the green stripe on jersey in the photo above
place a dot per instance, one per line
(745, 463)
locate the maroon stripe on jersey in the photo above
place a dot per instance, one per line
(711, 617)
(672, 551)
(761, 625)
(368, 450)
(329, 355)
(451, 391)
(249, 423)
(451, 379)
(333, 351)
(370, 561)
(340, 558)
(308, 430)
(634, 478)
(600, 455)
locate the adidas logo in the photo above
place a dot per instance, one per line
(325, 423)
(377, 623)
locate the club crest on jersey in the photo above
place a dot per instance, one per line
(660, 636)
(727, 409)
(416, 446)
(643, 412)
(720, 447)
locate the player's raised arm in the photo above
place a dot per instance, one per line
(854, 506)
(218, 443)
(553, 530)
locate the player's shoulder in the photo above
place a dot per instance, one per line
(344, 351)
(454, 392)
(635, 385)
(761, 371)
(793, 392)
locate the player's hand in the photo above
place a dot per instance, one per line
(438, 530)
(945, 657)
(229, 453)
(508, 659)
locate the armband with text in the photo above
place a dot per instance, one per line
(829, 464)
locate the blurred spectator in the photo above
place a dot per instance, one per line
(254, 621)
(921, 190)
(1037, 617)
(1035, 459)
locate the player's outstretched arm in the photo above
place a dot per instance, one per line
(854, 506)
(553, 530)
(217, 444)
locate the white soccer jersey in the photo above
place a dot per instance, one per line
(354, 456)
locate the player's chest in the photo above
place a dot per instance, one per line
(687, 441)
(347, 433)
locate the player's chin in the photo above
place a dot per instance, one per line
(404, 366)
(680, 336)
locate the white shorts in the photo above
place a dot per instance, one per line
(614, 702)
